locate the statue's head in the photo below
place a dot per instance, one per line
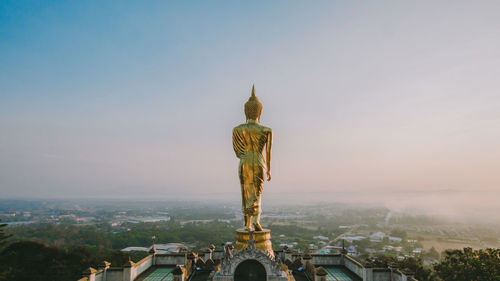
(253, 107)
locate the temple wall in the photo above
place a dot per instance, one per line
(397, 276)
(142, 266)
(99, 276)
(170, 259)
(354, 266)
(381, 274)
(113, 274)
(326, 259)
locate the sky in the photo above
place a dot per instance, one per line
(137, 99)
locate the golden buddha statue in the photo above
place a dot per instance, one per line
(249, 140)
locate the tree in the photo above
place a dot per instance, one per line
(469, 264)
(3, 236)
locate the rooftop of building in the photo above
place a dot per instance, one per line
(196, 267)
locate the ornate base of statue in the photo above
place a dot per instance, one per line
(262, 240)
(253, 259)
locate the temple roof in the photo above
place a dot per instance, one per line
(156, 273)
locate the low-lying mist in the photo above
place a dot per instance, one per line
(481, 207)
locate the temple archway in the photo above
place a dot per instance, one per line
(250, 270)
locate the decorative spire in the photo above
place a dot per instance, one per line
(253, 90)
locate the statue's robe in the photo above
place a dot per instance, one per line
(249, 141)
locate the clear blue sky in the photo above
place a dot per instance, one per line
(133, 98)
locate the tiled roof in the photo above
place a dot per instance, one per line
(157, 274)
(339, 274)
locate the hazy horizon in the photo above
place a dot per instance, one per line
(135, 100)
(449, 205)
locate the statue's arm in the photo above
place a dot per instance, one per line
(269, 144)
(238, 145)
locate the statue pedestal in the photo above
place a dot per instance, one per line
(253, 259)
(262, 240)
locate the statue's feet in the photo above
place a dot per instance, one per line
(248, 223)
(257, 227)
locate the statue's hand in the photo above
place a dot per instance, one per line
(268, 176)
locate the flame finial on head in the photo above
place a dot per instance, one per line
(253, 107)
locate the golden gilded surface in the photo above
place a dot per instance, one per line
(249, 141)
(262, 240)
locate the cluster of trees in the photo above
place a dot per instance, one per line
(98, 238)
(456, 265)
(35, 261)
(30, 260)
(469, 264)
